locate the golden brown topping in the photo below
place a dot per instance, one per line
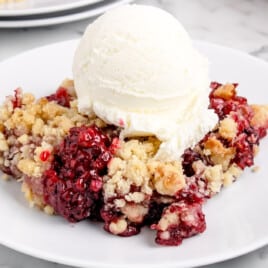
(214, 176)
(118, 227)
(219, 154)
(3, 145)
(135, 212)
(168, 178)
(260, 117)
(29, 167)
(225, 92)
(228, 128)
(231, 174)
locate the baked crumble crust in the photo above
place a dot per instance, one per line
(225, 92)
(36, 126)
(260, 116)
(137, 190)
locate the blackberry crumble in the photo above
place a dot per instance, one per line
(77, 166)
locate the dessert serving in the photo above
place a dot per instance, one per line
(139, 137)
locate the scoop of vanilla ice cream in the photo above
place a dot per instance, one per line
(136, 67)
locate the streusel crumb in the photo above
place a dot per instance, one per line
(31, 129)
(219, 154)
(225, 92)
(228, 128)
(167, 178)
(260, 115)
(78, 167)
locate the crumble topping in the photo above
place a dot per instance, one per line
(214, 176)
(225, 92)
(231, 174)
(129, 167)
(218, 153)
(76, 166)
(167, 178)
(133, 177)
(35, 126)
(118, 227)
(260, 116)
(228, 128)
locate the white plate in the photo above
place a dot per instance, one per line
(63, 18)
(31, 7)
(237, 218)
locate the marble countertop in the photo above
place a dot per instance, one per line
(241, 24)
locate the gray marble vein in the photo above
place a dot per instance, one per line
(241, 24)
(261, 52)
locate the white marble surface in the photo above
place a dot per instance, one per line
(241, 24)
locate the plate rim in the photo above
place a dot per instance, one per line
(48, 9)
(72, 17)
(189, 263)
